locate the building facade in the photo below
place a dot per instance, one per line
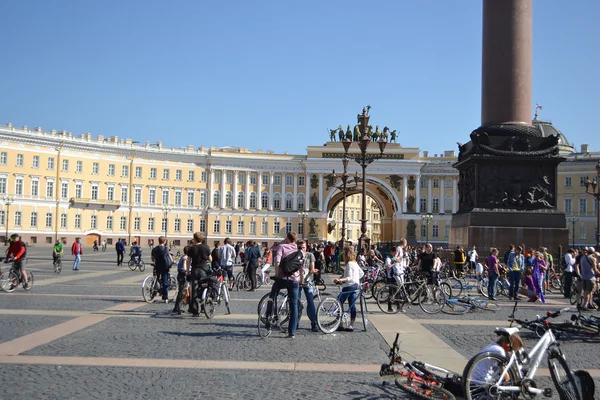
(56, 186)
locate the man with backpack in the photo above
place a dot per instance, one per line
(162, 259)
(460, 260)
(288, 261)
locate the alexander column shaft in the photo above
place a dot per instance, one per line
(506, 62)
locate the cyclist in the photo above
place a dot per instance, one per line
(135, 252)
(57, 252)
(18, 252)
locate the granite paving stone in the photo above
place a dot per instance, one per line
(15, 326)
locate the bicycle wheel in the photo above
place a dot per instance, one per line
(376, 285)
(556, 283)
(563, 378)
(440, 376)
(258, 281)
(389, 300)
(456, 285)
(29, 281)
(148, 291)
(321, 285)
(329, 315)
(142, 266)
(8, 281)
(575, 295)
(209, 304)
(366, 288)
(261, 302)
(447, 289)
(482, 285)
(431, 299)
(57, 267)
(265, 322)
(363, 312)
(455, 307)
(423, 390)
(131, 264)
(482, 372)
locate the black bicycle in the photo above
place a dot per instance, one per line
(10, 281)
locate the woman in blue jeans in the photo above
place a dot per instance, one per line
(349, 282)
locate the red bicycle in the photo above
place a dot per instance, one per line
(419, 379)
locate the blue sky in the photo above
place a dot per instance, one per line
(278, 74)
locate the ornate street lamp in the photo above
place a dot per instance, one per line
(166, 210)
(7, 201)
(591, 187)
(427, 220)
(303, 214)
(346, 143)
(573, 221)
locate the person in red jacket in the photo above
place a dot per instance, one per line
(77, 251)
(17, 251)
(327, 253)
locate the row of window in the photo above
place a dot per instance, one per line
(153, 173)
(435, 231)
(435, 182)
(582, 233)
(137, 221)
(583, 205)
(569, 181)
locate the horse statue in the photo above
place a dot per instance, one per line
(357, 133)
(377, 134)
(384, 135)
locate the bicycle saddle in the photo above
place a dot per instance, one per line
(506, 331)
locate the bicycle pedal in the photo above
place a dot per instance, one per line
(547, 392)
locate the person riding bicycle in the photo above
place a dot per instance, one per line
(57, 252)
(17, 252)
(136, 252)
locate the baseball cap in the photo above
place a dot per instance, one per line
(591, 249)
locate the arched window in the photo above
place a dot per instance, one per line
(216, 199)
(301, 201)
(277, 201)
(265, 200)
(228, 199)
(252, 200)
(289, 203)
(241, 199)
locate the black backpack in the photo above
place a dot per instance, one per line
(291, 263)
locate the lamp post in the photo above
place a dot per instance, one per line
(7, 201)
(573, 221)
(303, 214)
(346, 142)
(591, 187)
(427, 220)
(364, 160)
(166, 210)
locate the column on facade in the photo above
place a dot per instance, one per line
(454, 194)
(271, 181)
(418, 199)
(404, 194)
(429, 195)
(283, 176)
(247, 192)
(295, 198)
(442, 194)
(320, 191)
(211, 179)
(259, 191)
(234, 191)
(223, 176)
(307, 192)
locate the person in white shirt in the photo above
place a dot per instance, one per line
(349, 282)
(569, 269)
(473, 258)
(227, 253)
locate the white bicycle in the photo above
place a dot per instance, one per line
(491, 376)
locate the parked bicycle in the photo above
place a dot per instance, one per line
(489, 375)
(392, 298)
(242, 280)
(331, 313)
(10, 281)
(151, 287)
(213, 290)
(465, 304)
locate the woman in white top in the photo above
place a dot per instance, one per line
(349, 282)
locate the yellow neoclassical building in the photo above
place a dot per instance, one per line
(55, 185)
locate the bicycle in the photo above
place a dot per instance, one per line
(331, 313)
(502, 285)
(275, 312)
(57, 264)
(213, 289)
(465, 304)
(419, 379)
(489, 375)
(185, 299)
(151, 286)
(391, 298)
(242, 280)
(11, 280)
(590, 321)
(136, 262)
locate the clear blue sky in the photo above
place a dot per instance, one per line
(277, 74)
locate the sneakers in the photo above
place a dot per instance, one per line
(350, 329)
(314, 329)
(292, 336)
(167, 301)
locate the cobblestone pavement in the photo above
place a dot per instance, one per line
(139, 350)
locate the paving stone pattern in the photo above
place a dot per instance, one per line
(15, 326)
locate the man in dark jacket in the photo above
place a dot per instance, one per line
(120, 248)
(162, 259)
(252, 258)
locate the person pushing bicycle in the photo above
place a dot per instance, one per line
(57, 252)
(17, 251)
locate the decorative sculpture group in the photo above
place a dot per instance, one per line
(357, 133)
